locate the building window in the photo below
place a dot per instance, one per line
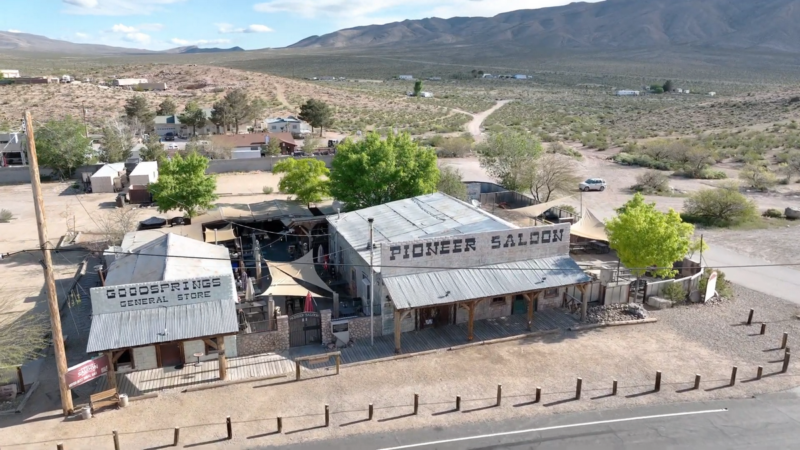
(550, 293)
(498, 301)
(210, 348)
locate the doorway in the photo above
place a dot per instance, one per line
(436, 316)
(171, 354)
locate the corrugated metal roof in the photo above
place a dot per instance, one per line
(270, 209)
(450, 286)
(149, 326)
(169, 257)
(414, 218)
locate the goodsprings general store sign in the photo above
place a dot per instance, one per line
(126, 297)
(87, 371)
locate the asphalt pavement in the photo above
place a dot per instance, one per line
(768, 422)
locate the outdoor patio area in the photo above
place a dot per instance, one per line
(258, 366)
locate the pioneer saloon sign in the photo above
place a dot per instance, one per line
(126, 297)
(87, 371)
(472, 250)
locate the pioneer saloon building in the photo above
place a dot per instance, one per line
(166, 304)
(438, 261)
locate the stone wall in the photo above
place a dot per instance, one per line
(325, 322)
(359, 327)
(267, 342)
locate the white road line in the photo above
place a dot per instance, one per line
(557, 427)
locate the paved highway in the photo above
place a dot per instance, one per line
(769, 422)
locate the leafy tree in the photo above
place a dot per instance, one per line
(306, 179)
(183, 185)
(239, 107)
(167, 108)
(153, 151)
(193, 116)
(667, 86)
(374, 171)
(221, 115)
(644, 237)
(139, 114)
(652, 182)
(657, 89)
(547, 175)
(758, 177)
(417, 88)
(317, 113)
(720, 207)
(454, 147)
(62, 145)
(258, 108)
(273, 148)
(504, 155)
(450, 183)
(117, 142)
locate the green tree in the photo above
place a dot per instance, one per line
(450, 183)
(720, 207)
(167, 108)
(117, 143)
(273, 148)
(221, 115)
(139, 114)
(317, 113)
(758, 177)
(505, 155)
(657, 89)
(238, 108)
(306, 179)
(153, 151)
(547, 175)
(258, 108)
(193, 116)
(62, 145)
(374, 171)
(183, 185)
(645, 237)
(417, 88)
(667, 87)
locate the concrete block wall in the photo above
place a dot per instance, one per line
(145, 358)
(267, 342)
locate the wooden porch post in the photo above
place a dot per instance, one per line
(398, 319)
(584, 307)
(471, 321)
(531, 296)
(223, 363)
(112, 374)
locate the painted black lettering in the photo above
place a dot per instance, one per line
(509, 241)
(469, 244)
(405, 252)
(534, 239)
(130, 302)
(521, 241)
(111, 294)
(558, 235)
(495, 242)
(154, 289)
(151, 300)
(418, 250)
(144, 290)
(546, 236)
(394, 251)
(163, 287)
(122, 304)
(216, 282)
(444, 248)
(205, 284)
(132, 290)
(432, 247)
(185, 285)
(196, 284)
(457, 245)
(180, 297)
(175, 286)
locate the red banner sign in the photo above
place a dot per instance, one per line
(87, 371)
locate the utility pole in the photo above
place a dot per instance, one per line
(371, 283)
(52, 300)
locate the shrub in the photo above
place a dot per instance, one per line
(268, 190)
(773, 213)
(674, 292)
(455, 147)
(635, 159)
(721, 207)
(758, 177)
(723, 287)
(651, 182)
(561, 149)
(709, 174)
(6, 216)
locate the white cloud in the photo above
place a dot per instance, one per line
(120, 28)
(116, 7)
(139, 38)
(184, 42)
(14, 31)
(227, 28)
(82, 35)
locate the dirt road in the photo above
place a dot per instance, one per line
(474, 125)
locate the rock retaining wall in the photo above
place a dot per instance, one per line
(269, 341)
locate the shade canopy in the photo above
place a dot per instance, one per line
(589, 227)
(221, 235)
(285, 277)
(538, 209)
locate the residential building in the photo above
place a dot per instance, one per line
(129, 81)
(172, 124)
(290, 124)
(520, 77)
(144, 173)
(626, 93)
(66, 79)
(13, 149)
(8, 73)
(167, 301)
(426, 94)
(243, 145)
(109, 179)
(405, 77)
(438, 261)
(151, 86)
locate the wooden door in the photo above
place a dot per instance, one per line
(171, 354)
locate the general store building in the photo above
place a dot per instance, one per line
(439, 261)
(166, 303)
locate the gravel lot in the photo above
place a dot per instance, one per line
(687, 340)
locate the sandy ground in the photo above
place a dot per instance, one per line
(630, 355)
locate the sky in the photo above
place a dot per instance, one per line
(250, 24)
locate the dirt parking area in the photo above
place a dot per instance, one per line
(708, 340)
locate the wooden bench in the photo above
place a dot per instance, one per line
(103, 399)
(317, 359)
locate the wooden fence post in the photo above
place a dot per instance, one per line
(763, 328)
(297, 371)
(20, 379)
(458, 403)
(759, 372)
(280, 425)
(697, 381)
(750, 317)
(733, 375)
(59, 446)
(327, 416)
(499, 394)
(578, 387)
(658, 381)
(614, 388)
(784, 340)
(177, 437)
(116, 439)
(786, 358)
(416, 404)
(370, 411)
(538, 395)
(229, 426)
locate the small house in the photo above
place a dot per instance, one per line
(8, 73)
(244, 146)
(626, 93)
(109, 178)
(152, 86)
(425, 94)
(144, 173)
(520, 77)
(290, 124)
(712, 94)
(129, 81)
(405, 77)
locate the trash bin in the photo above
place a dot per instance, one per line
(86, 413)
(123, 400)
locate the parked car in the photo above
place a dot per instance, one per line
(169, 137)
(172, 147)
(592, 184)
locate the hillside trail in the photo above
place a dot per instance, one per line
(282, 98)
(474, 125)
